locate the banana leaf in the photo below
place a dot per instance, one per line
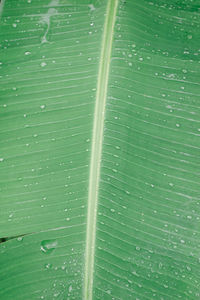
(99, 149)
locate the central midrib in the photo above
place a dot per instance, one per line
(97, 140)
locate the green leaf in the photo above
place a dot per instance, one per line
(99, 156)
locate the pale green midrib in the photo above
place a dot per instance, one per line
(97, 140)
(1, 7)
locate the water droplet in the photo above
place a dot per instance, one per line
(48, 266)
(43, 64)
(171, 75)
(42, 106)
(177, 125)
(27, 53)
(47, 246)
(188, 268)
(1, 159)
(166, 286)
(56, 294)
(14, 25)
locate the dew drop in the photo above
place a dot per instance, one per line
(47, 246)
(160, 265)
(47, 266)
(43, 64)
(188, 268)
(166, 286)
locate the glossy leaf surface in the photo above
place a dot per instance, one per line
(59, 59)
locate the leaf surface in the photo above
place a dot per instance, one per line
(99, 130)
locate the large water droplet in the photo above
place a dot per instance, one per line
(47, 246)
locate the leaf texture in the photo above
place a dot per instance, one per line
(140, 239)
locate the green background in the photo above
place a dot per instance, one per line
(147, 239)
